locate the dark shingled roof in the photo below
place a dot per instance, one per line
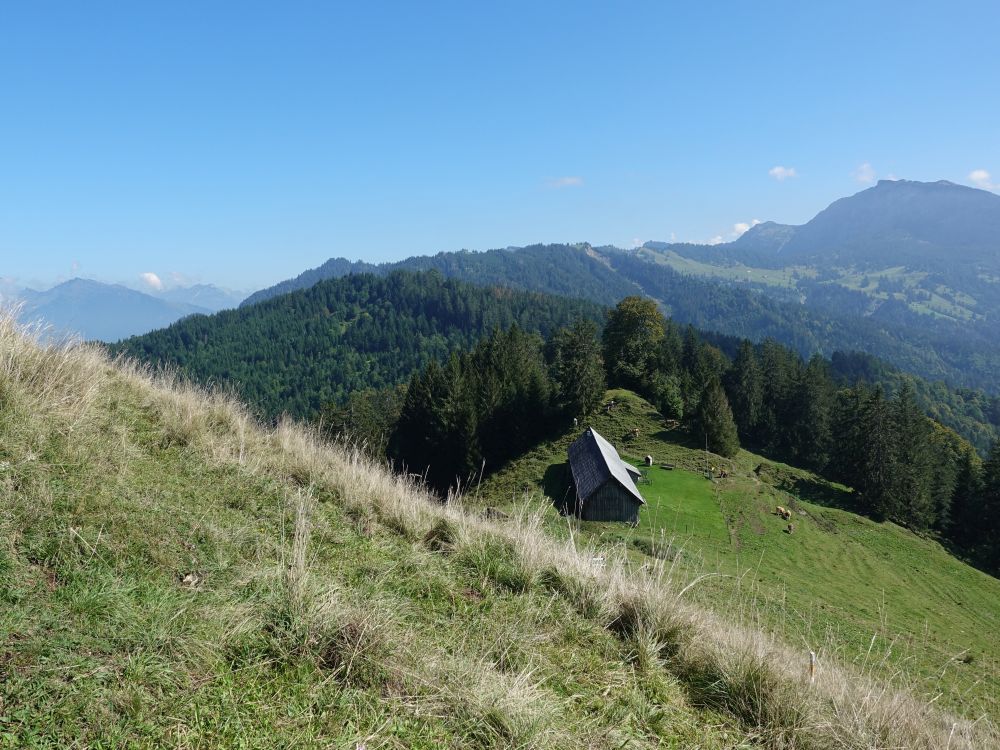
(593, 460)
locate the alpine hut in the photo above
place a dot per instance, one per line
(604, 485)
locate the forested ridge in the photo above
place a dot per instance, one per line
(295, 353)
(299, 352)
(835, 319)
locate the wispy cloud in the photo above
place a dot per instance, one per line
(865, 174)
(742, 226)
(781, 173)
(564, 182)
(982, 179)
(151, 280)
(739, 228)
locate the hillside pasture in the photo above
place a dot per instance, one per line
(892, 602)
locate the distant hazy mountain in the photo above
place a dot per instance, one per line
(919, 252)
(102, 312)
(206, 296)
(916, 224)
(921, 225)
(907, 271)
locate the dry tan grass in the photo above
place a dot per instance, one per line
(740, 671)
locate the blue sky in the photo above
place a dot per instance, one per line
(240, 143)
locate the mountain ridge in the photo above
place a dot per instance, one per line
(95, 310)
(100, 311)
(937, 215)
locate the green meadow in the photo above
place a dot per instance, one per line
(893, 603)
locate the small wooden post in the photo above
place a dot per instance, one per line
(812, 667)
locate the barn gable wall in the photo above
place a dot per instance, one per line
(610, 502)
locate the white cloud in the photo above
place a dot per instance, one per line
(865, 174)
(739, 228)
(151, 280)
(564, 182)
(982, 179)
(781, 173)
(742, 226)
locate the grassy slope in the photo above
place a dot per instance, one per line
(839, 583)
(173, 575)
(114, 496)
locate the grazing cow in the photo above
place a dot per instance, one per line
(791, 528)
(779, 511)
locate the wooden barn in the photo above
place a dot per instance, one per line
(605, 486)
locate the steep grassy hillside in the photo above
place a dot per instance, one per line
(173, 575)
(874, 594)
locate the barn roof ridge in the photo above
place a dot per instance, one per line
(595, 446)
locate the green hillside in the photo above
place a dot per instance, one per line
(296, 353)
(874, 594)
(174, 575)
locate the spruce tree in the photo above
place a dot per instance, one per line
(965, 522)
(745, 383)
(780, 368)
(578, 369)
(913, 503)
(714, 421)
(666, 395)
(989, 513)
(877, 476)
(947, 455)
(810, 413)
(848, 442)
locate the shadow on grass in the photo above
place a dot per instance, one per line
(820, 493)
(557, 485)
(679, 436)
